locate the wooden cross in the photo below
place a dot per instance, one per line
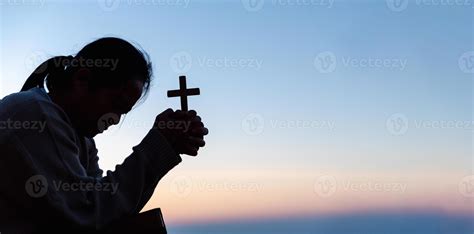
(183, 92)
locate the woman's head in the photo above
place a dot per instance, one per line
(106, 78)
(111, 61)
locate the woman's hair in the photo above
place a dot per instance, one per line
(112, 62)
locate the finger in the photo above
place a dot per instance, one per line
(196, 118)
(201, 131)
(196, 122)
(167, 111)
(196, 141)
(192, 113)
(190, 150)
(196, 125)
(179, 114)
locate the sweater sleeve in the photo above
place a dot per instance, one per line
(153, 138)
(85, 200)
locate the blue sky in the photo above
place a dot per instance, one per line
(273, 79)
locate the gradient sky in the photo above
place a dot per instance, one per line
(281, 126)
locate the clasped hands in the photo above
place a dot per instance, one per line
(184, 130)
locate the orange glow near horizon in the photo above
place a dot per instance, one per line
(202, 198)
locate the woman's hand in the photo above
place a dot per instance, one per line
(184, 130)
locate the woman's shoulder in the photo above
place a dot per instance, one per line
(33, 93)
(20, 111)
(33, 102)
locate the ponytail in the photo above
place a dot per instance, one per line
(50, 68)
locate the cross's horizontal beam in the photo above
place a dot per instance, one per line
(183, 92)
(188, 92)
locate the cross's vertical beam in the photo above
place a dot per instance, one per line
(184, 97)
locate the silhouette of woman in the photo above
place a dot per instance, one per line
(48, 160)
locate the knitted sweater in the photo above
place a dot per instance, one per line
(50, 176)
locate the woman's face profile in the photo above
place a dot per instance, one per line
(93, 110)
